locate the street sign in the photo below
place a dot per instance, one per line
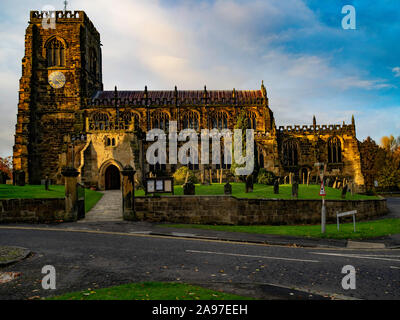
(322, 189)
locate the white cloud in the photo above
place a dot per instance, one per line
(223, 44)
(396, 71)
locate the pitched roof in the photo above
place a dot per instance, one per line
(184, 96)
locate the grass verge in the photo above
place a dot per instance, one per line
(38, 191)
(150, 291)
(267, 192)
(364, 230)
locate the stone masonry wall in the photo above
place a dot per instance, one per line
(231, 210)
(32, 210)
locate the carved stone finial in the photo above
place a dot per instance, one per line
(314, 121)
(233, 93)
(263, 89)
(353, 122)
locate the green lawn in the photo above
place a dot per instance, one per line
(38, 191)
(150, 291)
(364, 230)
(264, 191)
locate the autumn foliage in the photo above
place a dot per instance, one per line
(381, 163)
(6, 166)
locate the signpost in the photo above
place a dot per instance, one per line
(348, 213)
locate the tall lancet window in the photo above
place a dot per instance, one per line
(55, 53)
(290, 153)
(334, 150)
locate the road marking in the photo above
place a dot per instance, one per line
(381, 255)
(250, 256)
(394, 267)
(139, 232)
(348, 255)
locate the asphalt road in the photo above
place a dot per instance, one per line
(90, 260)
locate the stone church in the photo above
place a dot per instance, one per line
(65, 118)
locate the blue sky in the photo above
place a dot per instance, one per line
(309, 64)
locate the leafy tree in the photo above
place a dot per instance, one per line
(389, 175)
(180, 176)
(266, 177)
(6, 166)
(372, 160)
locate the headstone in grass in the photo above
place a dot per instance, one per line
(227, 188)
(285, 180)
(249, 183)
(344, 191)
(276, 186)
(295, 189)
(46, 183)
(328, 181)
(189, 188)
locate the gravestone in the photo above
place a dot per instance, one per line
(285, 180)
(189, 189)
(249, 183)
(344, 191)
(227, 188)
(46, 183)
(295, 189)
(276, 186)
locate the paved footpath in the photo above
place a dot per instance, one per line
(109, 208)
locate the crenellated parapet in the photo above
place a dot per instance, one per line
(63, 16)
(318, 129)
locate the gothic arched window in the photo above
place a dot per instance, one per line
(130, 120)
(55, 53)
(191, 120)
(99, 121)
(251, 120)
(334, 150)
(290, 153)
(160, 120)
(219, 120)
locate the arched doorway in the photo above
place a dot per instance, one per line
(112, 178)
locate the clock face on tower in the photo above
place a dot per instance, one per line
(57, 79)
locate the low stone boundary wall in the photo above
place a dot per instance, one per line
(32, 210)
(231, 210)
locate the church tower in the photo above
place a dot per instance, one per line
(60, 69)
